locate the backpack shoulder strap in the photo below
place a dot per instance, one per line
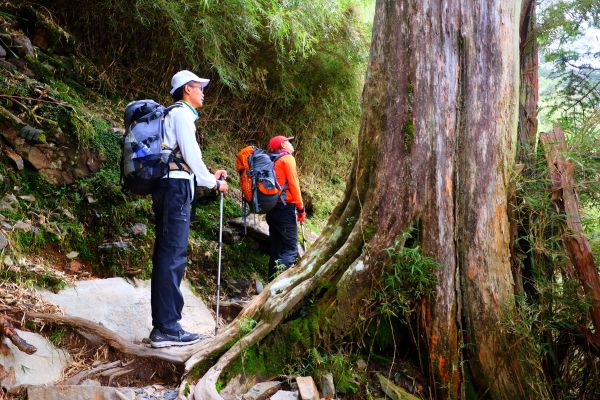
(172, 106)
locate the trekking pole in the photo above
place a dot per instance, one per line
(219, 265)
(303, 238)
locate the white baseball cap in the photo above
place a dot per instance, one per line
(185, 76)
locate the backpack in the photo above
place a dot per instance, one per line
(260, 190)
(144, 158)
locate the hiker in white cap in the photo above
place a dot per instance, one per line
(171, 204)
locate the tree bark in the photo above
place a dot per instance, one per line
(437, 142)
(578, 247)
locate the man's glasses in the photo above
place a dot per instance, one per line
(197, 87)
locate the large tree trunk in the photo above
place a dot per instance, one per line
(437, 142)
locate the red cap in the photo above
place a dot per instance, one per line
(276, 141)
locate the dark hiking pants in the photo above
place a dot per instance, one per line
(171, 205)
(283, 235)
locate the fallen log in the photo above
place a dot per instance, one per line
(8, 330)
(574, 239)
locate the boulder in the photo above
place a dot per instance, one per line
(255, 224)
(45, 366)
(124, 306)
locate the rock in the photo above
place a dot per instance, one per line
(327, 386)
(3, 241)
(22, 46)
(139, 229)
(2, 52)
(393, 391)
(124, 307)
(38, 158)
(230, 236)
(45, 366)
(255, 224)
(307, 388)
(259, 286)
(117, 131)
(361, 365)
(24, 226)
(262, 391)
(75, 266)
(69, 392)
(113, 245)
(285, 395)
(9, 203)
(156, 392)
(29, 198)
(15, 158)
(8, 261)
(6, 65)
(239, 286)
(237, 386)
(230, 309)
(90, 382)
(72, 255)
(22, 67)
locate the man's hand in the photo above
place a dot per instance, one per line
(222, 186)
(220, 173)
(301, 215)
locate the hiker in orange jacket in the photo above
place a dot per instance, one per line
(283, 230)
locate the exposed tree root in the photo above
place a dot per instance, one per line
(174, 355)
(6, 329)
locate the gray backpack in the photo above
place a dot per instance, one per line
(144, 158)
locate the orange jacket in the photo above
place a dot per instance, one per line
(285, 169)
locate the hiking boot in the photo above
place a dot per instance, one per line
(181, 338)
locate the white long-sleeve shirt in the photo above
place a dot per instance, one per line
(180, 131)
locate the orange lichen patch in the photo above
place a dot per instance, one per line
(499, 233)
(444, 374)
(434, 341)
(472, 271)
(448, 186)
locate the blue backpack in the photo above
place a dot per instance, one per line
(144, 158)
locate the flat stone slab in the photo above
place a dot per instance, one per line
(123, 306)
(79, 393)
(45, 366)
